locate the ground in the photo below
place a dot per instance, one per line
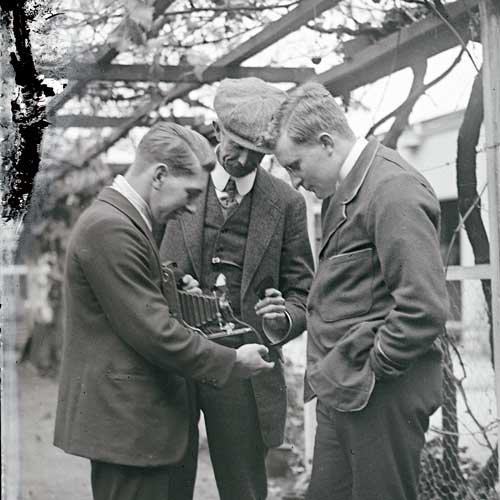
(47, 473)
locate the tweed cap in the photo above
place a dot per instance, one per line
(245, 107)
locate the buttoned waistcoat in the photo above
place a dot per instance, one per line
(277, 246)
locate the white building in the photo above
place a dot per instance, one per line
(431, 146)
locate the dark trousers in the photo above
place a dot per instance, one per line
(183, 474)
(235, 444)
(374, 454)
(125, 482)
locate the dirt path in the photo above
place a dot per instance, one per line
(46, 473)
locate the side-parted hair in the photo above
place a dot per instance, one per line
(308, 111)
(176, 146)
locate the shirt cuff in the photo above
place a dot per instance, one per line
(277, 336)
(382, 365)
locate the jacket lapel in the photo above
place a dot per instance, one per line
(192, 230)
(116, 199)
(334, 208)
(333, 215)
(264, 216)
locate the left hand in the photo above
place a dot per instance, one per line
(191, 285)
(272, 309)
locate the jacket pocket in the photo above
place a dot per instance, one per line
(344, 285)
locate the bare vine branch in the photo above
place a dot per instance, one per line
(242, 8)
(417, 93)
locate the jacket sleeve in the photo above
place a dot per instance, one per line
(296, 265)
(115, 259)
(403, 221)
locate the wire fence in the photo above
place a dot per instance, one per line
(459, 460)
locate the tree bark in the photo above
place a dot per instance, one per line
(391, 138)
(28, 112)
(468, 138)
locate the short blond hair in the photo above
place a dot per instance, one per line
(176, 146)
(308, 111)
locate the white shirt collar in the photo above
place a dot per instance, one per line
(121, 185)
(352, 158)
(243, 184)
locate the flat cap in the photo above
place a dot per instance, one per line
(245, 108)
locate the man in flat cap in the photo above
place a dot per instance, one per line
(251, 227)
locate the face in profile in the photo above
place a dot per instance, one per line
(309, 165)
(174, 193)
(237, 160)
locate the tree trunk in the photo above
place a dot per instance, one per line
(391, 138)
(468, 138)
(28, 112)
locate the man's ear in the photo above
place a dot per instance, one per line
(326, 141)
(217, 130)
(161, 171)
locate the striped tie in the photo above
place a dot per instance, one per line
(228, 199)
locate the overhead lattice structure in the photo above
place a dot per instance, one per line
(158, 85)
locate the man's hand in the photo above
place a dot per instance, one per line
(190, 285)
(272, 309)
(250, 361)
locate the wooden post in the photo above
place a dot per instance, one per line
(310, 408)
(8, 365)
(490, 37)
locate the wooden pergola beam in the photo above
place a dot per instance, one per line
(420, 40)
(186, 74)
(306, 10)
(490, 37)
(92, 121)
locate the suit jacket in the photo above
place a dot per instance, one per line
(121, 397)
(378, 301)
(277, 246)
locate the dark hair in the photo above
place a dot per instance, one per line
(308, 111)
(176, 146)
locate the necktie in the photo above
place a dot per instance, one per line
(228, 200)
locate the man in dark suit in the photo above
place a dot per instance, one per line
(376, 307)
(123, 401)
(251, 227)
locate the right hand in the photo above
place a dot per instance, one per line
(250, 361)
(190, 285)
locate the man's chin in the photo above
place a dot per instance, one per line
(240, 170)
(318, 193)
(174, 215)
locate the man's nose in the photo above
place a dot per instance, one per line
(242, 158)
(190, 208)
